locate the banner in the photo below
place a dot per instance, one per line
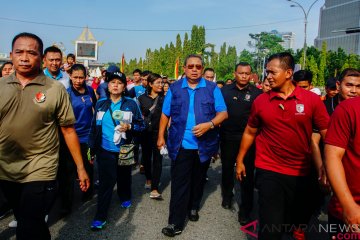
(176, 69)
(122, 66)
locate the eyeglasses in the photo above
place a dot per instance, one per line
(197, 66)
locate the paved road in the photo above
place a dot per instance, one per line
(146, 218)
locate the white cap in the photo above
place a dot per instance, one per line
(316, 91)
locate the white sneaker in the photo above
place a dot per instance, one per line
(13, 223)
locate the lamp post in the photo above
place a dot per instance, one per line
(306, 14)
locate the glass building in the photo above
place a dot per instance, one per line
(335, 17)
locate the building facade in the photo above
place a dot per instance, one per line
(336, 16)
(288, 39)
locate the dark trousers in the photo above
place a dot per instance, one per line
(30, 201)
(187, 185)
(4, 205)
(136, 151)
(89, 169)
(109, 174)
(152, 159)
(67, 174)
(229, 152)
(282, 200)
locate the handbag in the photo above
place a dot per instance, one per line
(147, 119)
(126, 154)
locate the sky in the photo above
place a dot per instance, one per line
(120, 24)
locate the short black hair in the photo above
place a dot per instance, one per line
(29, 35)
(286, 60)
(209, 70)
(348, 72)
(194, 56)
(137, 71)
(243, 64)
(220, 82)
(331, 83)
(303, 75)
(77, 67)
(145, 73)
(151, 79)
(53, 49)
(70, 55)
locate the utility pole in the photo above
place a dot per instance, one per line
(306, 14)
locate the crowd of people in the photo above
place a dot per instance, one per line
(279, 136)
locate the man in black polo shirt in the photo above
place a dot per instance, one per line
(238, 97)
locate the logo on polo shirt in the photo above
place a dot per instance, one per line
(300, 108)
(40, 97)
(247, 97)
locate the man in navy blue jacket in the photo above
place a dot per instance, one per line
(196, 108)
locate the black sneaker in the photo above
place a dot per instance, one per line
(226, 203)
(171, 230)
(194, 215)
(243, 219)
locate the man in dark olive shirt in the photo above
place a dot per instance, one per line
(238, 97)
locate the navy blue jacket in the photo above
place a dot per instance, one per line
(204, 108)
(103, 105)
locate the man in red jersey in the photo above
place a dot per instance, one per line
(342, 161)
(282, 121)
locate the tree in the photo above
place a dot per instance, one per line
(214, 58)
(322, 65)
(197, 40)
(246, 56)
(178, 48)
(313, 67)
(335, 61)
(265, 45)
(187, 46)
(227, 61)
(352, 61)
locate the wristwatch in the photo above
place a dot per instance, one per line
(212, 125)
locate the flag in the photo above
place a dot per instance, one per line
(176, 69)
(122, 66)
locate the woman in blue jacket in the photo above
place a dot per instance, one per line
(101, 143)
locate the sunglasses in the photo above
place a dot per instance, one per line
(197, 66)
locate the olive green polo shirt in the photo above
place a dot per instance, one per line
(29, 120)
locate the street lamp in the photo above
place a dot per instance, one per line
(306, 14)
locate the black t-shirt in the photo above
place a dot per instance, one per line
(331, 103)
(146, 103)
(238, 103)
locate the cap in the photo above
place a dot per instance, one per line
(112, 69)
(316, 91)
(117, 75)
(331, 83)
